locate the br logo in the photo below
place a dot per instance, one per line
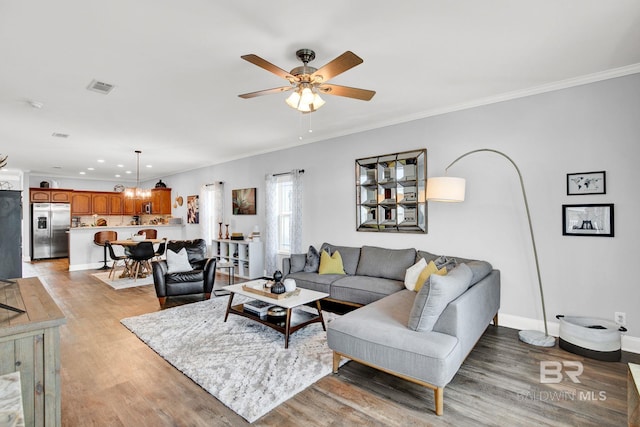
(552, 372)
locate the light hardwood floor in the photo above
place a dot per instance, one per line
(110, 378)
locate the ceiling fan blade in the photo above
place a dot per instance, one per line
(262, 63)
(349, 92)
(265, 92)
(339, 65)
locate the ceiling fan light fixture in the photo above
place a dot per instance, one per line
(306, 97)
(293, 100)
(317, 101)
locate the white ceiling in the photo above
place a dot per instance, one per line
(177, 70)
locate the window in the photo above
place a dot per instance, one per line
(284, 188)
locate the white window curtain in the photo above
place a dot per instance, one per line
(272, 220)
(211, 210)
(297, 194)
(271, 231)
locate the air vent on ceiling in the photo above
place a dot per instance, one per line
(100, 87)
(60, 135)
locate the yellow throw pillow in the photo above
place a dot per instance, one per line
(331, 264)
(428, 271)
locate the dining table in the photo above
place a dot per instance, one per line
(130, 271)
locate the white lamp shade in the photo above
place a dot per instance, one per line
(445, 189)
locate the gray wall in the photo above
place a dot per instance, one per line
(585, 128)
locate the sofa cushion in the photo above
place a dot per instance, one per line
(363, 289)
(350, 256)
(412, 274)
(314, 281)
(312, 261)
(330, 264)
(177, 262)
(445, 262)
(434, 297)
(427, 272)
(298, 262)
(378, 334)
(385, 263)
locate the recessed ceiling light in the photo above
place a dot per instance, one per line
(117, 175)
(91, 169)
(149, 166)
(128, 172)
(120, 166)
(36, 104)
(83, 173)
(100, 160)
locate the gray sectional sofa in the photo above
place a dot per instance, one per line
(422, 336)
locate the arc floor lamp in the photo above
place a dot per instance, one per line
(451, 189)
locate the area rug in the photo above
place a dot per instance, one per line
(242, 363)
(122, 283)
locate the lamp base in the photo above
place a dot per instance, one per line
(537, 338)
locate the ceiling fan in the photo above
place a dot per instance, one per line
(308, 82)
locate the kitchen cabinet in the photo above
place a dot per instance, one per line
(60, 196)
(81, 203)
(161, 201)
(39, 195)
(116, 203)
(45, 195)
(100, 203)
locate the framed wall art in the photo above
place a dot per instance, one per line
(587, 220)
(244, 201)
(193, 209)
(586, 183)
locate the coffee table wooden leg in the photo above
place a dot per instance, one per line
(320, 314)
(287, 328)
(228, 306)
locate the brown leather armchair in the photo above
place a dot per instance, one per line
(200, 280)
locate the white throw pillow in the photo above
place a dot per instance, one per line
(412, 274)
(178, 262)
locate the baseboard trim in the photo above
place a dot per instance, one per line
(628, 343)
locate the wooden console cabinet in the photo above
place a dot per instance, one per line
(30, 344)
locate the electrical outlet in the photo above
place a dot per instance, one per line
(620, 318)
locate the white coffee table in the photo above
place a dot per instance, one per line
(295, 319)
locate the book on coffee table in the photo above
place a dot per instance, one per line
(258, 307)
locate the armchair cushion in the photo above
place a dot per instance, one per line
(178, 261)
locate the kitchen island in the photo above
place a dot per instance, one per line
(86, 255)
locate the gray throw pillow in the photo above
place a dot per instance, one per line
(445, 261)
(480, 270)
(298, 261)
(435, 295)
(312, 262)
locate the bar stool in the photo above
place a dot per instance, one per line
(150, 233)
(99, 239)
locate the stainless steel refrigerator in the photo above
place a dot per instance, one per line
(49, 230)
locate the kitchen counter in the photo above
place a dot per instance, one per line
(86, 255)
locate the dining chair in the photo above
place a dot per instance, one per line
(150, 233)
(161, 249)
(99, 238)
(116, 259)
(140, 255)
